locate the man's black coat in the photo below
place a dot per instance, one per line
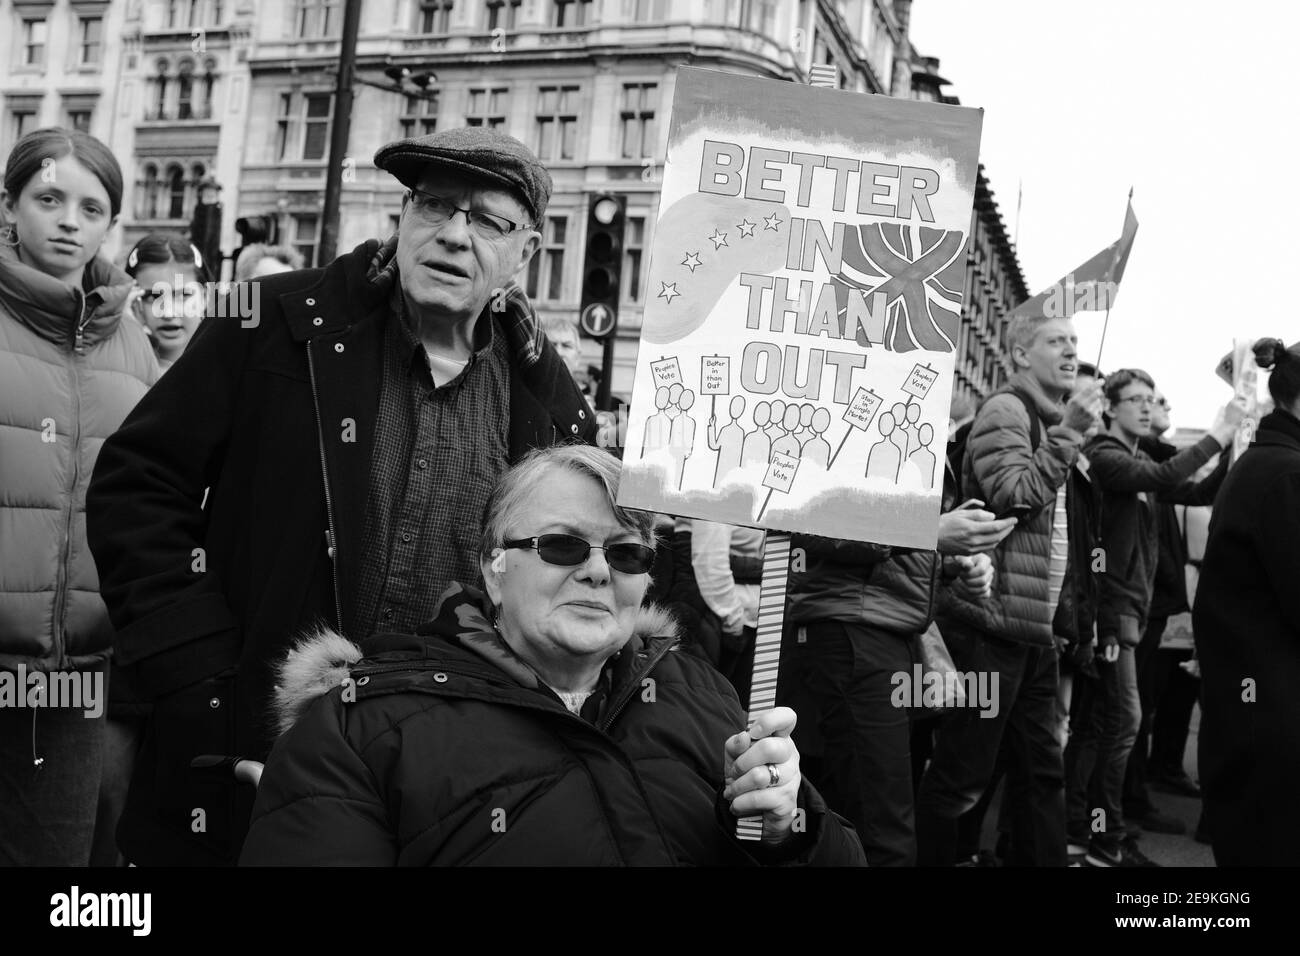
(273, 416)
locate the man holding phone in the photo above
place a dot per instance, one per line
(1019, 457)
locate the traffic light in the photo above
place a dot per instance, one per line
(604, 258)
(600, 274)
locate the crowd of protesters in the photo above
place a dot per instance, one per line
(368, 541)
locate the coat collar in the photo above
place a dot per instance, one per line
(367, 279)
(1279, 427)
(54, 309)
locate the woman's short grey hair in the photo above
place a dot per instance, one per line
(252, 255)
(512, 500)
(560, 325)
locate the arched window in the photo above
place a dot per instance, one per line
(185, 96)
(175, 192)
(146, 204)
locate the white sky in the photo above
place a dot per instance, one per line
(1187, 101)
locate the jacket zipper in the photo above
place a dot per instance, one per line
(330, 539)
(61, 586)
(621, 702)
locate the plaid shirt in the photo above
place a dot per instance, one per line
(438, 454)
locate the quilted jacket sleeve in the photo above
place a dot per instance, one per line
(1006, 468)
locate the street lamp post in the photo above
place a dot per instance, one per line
(340, 128)
(342, 122)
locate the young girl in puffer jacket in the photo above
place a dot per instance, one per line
(70, 370)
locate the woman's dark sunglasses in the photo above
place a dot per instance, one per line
(569, 550)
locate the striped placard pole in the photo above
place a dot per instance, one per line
(776, 572)
(767, 646)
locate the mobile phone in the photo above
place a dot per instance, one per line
(1017, 512)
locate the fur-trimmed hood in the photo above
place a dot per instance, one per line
(323, 659)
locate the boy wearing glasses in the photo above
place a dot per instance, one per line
(1130, 484)
(350, 434)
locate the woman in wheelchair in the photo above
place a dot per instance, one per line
(548, 721)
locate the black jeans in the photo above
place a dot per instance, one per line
(966, 752)
(1177, 693)
(1099, 751)
(854, 744)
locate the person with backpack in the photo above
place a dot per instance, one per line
(1073, 630)
(1022, 446)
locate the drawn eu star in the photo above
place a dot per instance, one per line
(719, 239)
(771, 222)
(692, 261)
(668, 291)
(746, 228)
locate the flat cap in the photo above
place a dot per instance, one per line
(476, 150)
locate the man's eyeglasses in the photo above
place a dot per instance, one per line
(567, 551)
(1143, 401)
(435, 210)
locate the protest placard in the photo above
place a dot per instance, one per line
(816, 239)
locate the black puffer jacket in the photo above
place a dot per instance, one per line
(444, 749)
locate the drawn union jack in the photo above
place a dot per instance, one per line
(921, 271)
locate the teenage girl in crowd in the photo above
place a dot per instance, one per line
(70, 371)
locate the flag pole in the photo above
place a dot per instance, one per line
(1104, 323)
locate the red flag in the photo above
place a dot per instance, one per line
(1092, 286)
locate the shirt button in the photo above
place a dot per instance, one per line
(338, 346)
(581, 413)
(574, 429)
(406, 536)
(318, 321)
(311, 301)
(422, 464)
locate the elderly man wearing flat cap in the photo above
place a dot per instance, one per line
(347, 444)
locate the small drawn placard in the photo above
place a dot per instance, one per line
(781, 472)
(919, 382)
(862, 409)
(667, 372)
(715, 375)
